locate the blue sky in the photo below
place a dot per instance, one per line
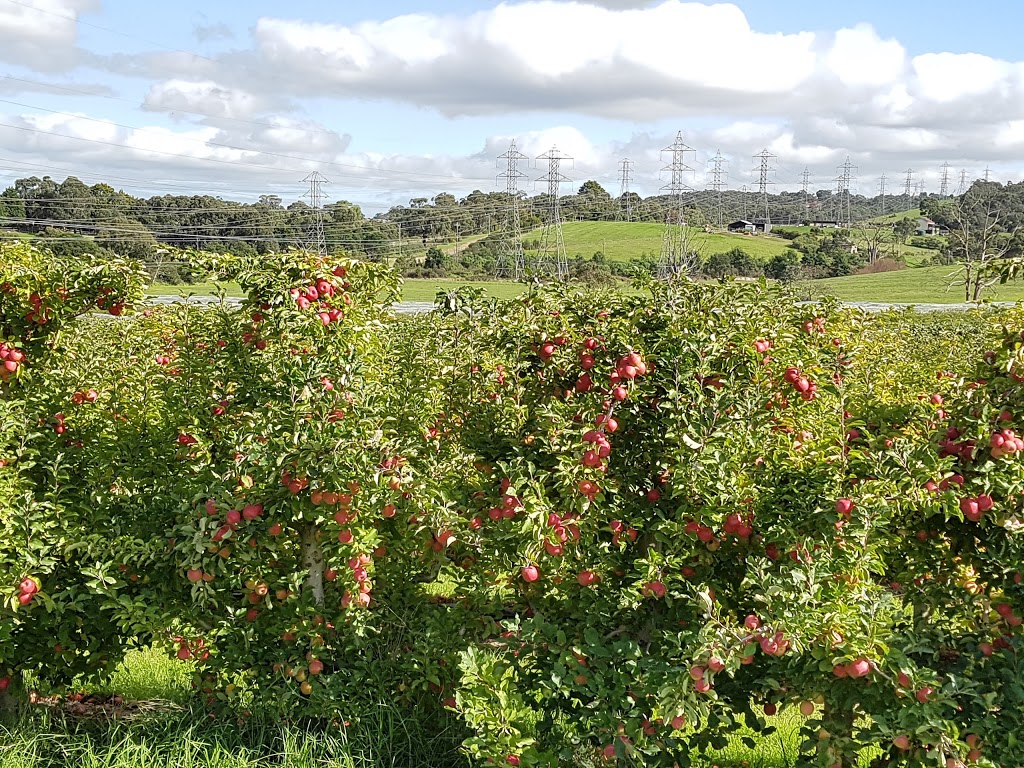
(242, 98)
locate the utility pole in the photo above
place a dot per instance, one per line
(625, 198)
(675, 257)
(316, 239)
(552, 257)
(718, 175)
(944, 184)
(843, 191)
(881, 190)
(511, 263)
(764, 170)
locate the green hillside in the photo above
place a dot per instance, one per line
(922, 285)
(622, 241)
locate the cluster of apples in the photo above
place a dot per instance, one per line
(359, 567)
(232, 518)
(772, 643)
(703, 674)
(27, 589)
(115, 308)
(510, 503)
(13, 358)
(1005, 443)
(974, 508)
(317, 297)
(563, 528)
(189, 649)
(808, 389)
(950, 447)
(88, 396)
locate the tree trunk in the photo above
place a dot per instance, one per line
(313, 562)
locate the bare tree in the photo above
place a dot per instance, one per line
(978, 240)
(875, 240)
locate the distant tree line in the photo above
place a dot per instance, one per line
(71, 216)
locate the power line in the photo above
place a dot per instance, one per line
(551, 257)
(511, 260)
(625, 198)
(675, 258)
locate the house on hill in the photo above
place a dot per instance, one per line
(926, 226)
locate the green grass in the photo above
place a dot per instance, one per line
(425, 289)
(915, 285)
(198, 289)
(892, 218)
(172, 731)
(622, 241)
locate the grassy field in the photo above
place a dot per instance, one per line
(915, 285)
(424, 290)
(622, 241)
(171, 731)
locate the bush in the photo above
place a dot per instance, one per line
(622, 527)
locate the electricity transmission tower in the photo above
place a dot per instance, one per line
(764, 170)
(944, 184)
(908, 187)
(551, 258)
(988, 171)
(316, 239)
(717, 183)
(511, 260)
(844, 211)
(805, 183)
(962, 186)
(881, 190)
(625, 198)
(676, 256)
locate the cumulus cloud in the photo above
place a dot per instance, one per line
(205, 96)
(811, 98)
(42, 34)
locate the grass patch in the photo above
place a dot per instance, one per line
(623, 240)
(915, 285)
(182, 736)
(425, 289)
(197, 289)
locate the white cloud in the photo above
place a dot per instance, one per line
(948, 77)
(812, 98)
(203, 96)
(41, 34)
(858, 57)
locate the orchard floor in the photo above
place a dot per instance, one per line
(164, 728)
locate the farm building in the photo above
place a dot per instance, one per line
(926, 226)
(758, 225)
